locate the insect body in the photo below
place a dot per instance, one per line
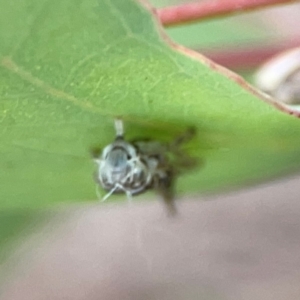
(122, 167)
(133, 168)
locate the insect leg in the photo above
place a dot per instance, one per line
(119, 128)
(164, 186)
(129, 196)
(110, 193)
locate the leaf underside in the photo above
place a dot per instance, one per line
(68, 67)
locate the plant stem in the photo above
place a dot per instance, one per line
(249, 57)
(192, 12)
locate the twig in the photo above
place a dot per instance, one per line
(249, 57)
(192, 12)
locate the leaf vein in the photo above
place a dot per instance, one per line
(10, 65)
(119, 16)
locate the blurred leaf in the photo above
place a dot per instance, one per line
(220, 33)
(237, 30)
(17, 225)
(68, 67)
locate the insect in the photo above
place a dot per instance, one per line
(124, 168)
(134, 167)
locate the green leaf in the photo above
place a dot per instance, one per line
(219, 32)
(69, 67)
(16, 226)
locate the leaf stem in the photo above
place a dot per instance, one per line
(246, 57)
(191, 12)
